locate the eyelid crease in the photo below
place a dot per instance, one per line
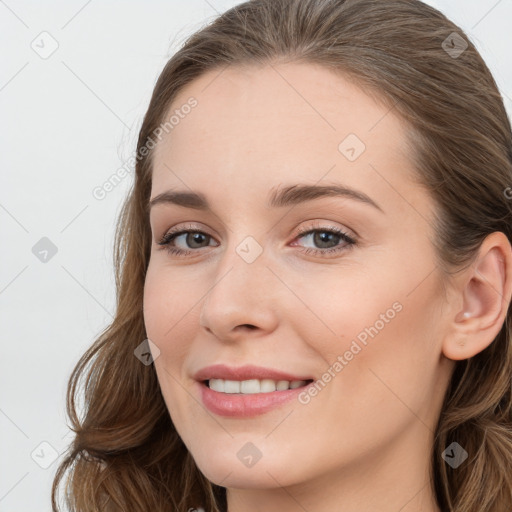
(318, 225)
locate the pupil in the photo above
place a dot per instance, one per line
(324, 237)
(196, 238)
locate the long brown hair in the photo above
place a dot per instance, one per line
(126, 454)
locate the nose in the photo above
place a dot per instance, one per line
(242, 299)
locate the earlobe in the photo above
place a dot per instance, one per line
(485, 289)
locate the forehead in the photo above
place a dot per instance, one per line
(253, 128)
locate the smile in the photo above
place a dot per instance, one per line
(253, 386)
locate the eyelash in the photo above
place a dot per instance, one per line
(166, 240)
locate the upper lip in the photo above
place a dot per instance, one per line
(247, 372)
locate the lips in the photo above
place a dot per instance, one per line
(240, 405)
(247, 372)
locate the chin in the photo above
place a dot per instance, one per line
(226, 470)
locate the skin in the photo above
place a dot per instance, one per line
(363, 443)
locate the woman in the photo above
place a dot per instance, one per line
(314, 276)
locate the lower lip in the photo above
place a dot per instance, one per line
(244, 406)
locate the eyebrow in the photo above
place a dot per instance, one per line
(286, 196)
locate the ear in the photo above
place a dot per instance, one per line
(484, 289)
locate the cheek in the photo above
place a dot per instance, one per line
(168, 304)
(166, 313)
(343, 307)
(383, 326)
(395, 371)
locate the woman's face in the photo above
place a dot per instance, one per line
(280, 272)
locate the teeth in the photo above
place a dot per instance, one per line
(282, 385)
(231, 386)
(247, 387)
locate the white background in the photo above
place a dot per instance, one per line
(68, 123)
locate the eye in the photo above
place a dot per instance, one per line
(191, 238)
(326, 240)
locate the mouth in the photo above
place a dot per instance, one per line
(253, 386)
(247, 391)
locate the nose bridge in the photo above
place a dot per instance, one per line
(239, 294)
